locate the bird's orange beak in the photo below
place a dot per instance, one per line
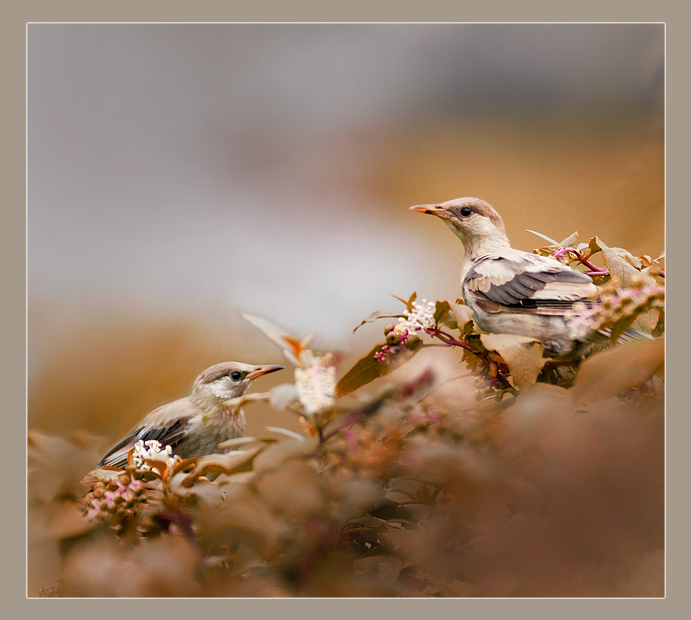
(262, 370)
(437, 210)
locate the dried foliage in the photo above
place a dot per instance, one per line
(549, 483)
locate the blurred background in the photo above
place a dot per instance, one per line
(182, 174)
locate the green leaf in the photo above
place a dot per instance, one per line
(367, 369)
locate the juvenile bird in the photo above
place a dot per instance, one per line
(195, 425)
(515, 292)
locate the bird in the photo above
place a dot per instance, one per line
(194, 426)
(515, 292)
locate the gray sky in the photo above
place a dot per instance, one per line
(204, 169)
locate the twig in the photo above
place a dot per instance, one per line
(594, 269)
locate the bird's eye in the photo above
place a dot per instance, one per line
(466, 211)
(236, 375)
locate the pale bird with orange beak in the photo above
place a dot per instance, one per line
(515, 292)
(195, 425)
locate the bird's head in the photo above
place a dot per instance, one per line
(473, 220)
(227, 380)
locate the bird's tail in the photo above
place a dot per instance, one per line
(630, 335)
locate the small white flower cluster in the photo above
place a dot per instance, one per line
(316, 382)
(150, 450)
(420, 317)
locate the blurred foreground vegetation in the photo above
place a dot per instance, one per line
(533, 480)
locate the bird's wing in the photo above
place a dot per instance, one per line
(167, 424)
(522, 282)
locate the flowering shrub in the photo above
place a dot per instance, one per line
(522, 477)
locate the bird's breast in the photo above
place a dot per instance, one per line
(205, 433)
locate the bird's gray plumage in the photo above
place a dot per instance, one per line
(195, 425)
(511, 291)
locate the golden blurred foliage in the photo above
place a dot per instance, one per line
(553, 175)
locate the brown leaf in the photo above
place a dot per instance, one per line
(379, 570)
(571, 241)
(621, 326)
(615, 370)
(367, 369)
(593, 245)
(379, 314)
(292, 490)
(522, 355)
(660, 327)
(647, 321)
(223, 463)
(275, 456)
(622, 265)
(545, 237)
(276, 334)
(295, 345)
(208, 493)
(409, 303)
(462, 313)
(273, 331)
(282, 395)
(66, 520)
(442, 309)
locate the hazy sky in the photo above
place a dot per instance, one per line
(215, 168)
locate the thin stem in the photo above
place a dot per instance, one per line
(599, 272)
(594, 270)
(448, 339)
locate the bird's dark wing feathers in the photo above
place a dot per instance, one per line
(129, 440)
(167, 435)
(519, 289)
